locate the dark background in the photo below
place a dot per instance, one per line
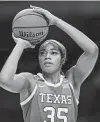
(85, 16)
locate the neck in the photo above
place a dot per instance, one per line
(52, 78)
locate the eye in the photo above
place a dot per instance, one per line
(54, 53)
(42, 53)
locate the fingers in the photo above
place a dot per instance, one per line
(31, 6)
(13, 35)
(35, 8)
(27, 43)
(38, 9)
(41, 11)
(15, 39)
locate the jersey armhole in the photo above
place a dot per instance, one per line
(30, 97)
(76, 99)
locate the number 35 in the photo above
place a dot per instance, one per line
(51, 116)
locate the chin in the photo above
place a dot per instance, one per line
(49, 71)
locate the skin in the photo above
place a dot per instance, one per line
(76, 74)
(50, 54)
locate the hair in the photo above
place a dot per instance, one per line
(61, 48)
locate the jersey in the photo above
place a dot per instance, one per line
(51, 103)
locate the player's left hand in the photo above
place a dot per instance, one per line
(51, 18)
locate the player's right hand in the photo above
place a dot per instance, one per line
(25, 44)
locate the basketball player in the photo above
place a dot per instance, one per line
(50, 96)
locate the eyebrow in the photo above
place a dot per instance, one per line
(54, 49)
(50, 49)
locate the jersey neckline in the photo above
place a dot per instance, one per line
(51, 84)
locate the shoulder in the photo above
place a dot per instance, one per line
(69, 74)
(29, 79)
(32, 83)
(71, 69)
(25, 75)
(71, 78)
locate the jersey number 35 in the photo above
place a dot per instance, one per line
(52, 111)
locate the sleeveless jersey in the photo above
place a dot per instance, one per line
(51, 103)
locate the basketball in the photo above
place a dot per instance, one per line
(30, 25)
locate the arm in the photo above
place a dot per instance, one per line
(8, 80)
(87, 60)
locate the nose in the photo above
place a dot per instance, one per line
(47, 56)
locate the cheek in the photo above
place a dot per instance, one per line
(41, 60)
(57, 61)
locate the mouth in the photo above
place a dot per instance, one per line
(48, 63)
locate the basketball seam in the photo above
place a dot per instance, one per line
(32, 39)
(26, 15)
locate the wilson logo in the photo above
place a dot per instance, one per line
(30, 34)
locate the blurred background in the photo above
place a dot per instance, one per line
(85, 16)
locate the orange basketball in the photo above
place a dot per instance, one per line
(30, 25)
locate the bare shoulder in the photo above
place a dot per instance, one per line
(69, 74)
(71, 79)
(27, 78)
(30, 78)
(25, 75)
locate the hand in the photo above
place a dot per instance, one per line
(24, 43)
(51, 18)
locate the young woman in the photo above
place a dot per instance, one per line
(50, 96)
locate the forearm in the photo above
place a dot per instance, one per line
(86, 44)
(9, 69)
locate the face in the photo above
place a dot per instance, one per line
(50, 59)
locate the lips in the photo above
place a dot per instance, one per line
(48, 63)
